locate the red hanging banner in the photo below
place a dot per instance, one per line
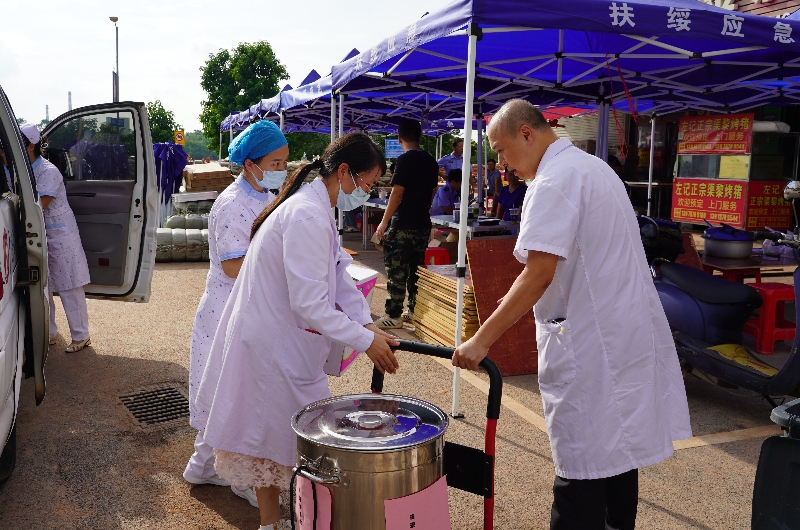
(718, 201)
(715, 135)
(767, 207)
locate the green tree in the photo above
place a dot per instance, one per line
(196, 146)
(162, 122)
(309, 143)
(43, 124)
(20, 121)
(234, 80)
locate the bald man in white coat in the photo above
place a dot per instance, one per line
(612, 390)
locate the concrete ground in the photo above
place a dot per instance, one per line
(82, 463)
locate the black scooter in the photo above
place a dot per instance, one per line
(707, 314)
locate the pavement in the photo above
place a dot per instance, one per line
(83, 463)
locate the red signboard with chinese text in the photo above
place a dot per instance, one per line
(718, 201)
(715, 135)
(766, 206)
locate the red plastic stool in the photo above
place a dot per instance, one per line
(770, 325)
(437, 256)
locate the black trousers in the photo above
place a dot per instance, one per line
(599, 504)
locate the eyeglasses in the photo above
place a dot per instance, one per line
(368, 185)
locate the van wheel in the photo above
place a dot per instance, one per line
(9, 457)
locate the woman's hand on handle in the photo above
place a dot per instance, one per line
(469, 355)
(380, 351)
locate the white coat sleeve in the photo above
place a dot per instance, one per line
(231, 230)
(348, 297)
(307, 257)
(48, 181)
(549, 222)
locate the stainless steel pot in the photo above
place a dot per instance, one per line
(368, 448)
(728, 249)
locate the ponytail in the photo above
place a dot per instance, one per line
(297, 179)
(357, 150)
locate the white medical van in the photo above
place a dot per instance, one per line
(105, 155)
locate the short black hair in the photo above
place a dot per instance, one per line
(454, 175)
(409, 130)
(457, 141)
(492, 160)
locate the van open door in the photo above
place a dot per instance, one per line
(24, 249)
(105, 154)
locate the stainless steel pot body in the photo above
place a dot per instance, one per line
(360, 481)
(367, 449)
(728, 249)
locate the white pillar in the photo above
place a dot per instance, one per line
(341, 114)
(461, 264)
(650, 169)
(480, 179)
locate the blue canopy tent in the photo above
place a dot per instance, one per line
(658, 55)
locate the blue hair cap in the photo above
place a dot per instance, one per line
(259, 139)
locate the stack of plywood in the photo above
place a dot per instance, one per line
(435, 312)
(206, 177)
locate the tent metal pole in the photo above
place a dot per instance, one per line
(461, 265)
(333, 116)
(479, 159)
(219, 156)
(341, 114)
(650, 169)
(282, 120)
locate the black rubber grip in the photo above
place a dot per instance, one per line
(495, 378)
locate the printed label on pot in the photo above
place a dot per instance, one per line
(425, 510)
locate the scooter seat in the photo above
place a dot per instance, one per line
(708, 288)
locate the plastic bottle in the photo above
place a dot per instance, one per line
(304, 159)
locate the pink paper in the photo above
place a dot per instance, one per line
(367, 286)
(304, 505)
(425, 510)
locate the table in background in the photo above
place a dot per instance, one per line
(657, 187)
(736, 269)
(380, 204)
(474, 228)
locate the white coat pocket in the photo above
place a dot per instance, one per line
(303, 354)
(556, 355)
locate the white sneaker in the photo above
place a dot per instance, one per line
(214, 480)
(247, 494)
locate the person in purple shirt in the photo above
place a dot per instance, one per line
(510, 196)
(446, 196)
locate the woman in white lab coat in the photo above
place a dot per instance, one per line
(67, 269)
(262, 151)
(275, 333)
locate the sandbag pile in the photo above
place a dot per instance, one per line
(435, 312)
(187, 221)
(181, 244)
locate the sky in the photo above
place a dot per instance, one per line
(50, 47)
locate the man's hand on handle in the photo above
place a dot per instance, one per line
(380, 351)
(470, 354)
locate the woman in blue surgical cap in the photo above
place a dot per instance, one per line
(262, 151)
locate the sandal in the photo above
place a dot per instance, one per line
(78, 346)
(386, 322)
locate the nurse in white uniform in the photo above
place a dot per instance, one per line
(68, 271)
(612, 389)
(262, 151)
(293, 297)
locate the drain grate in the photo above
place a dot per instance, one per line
(151, 407)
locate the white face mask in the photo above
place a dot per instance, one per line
(350, 201)
(270, 180)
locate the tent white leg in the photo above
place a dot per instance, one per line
(341, 115)
(601, 144)
(461, 264)
(219, 156)
(650, 169)
(333, 117)
(282, 121)
(480, 180)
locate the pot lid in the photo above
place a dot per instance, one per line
(726, 233)
(370, 422)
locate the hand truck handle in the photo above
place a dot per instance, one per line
(495, 379)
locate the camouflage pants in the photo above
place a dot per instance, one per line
(403, 252)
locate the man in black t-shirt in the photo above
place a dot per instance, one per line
(414, 183)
